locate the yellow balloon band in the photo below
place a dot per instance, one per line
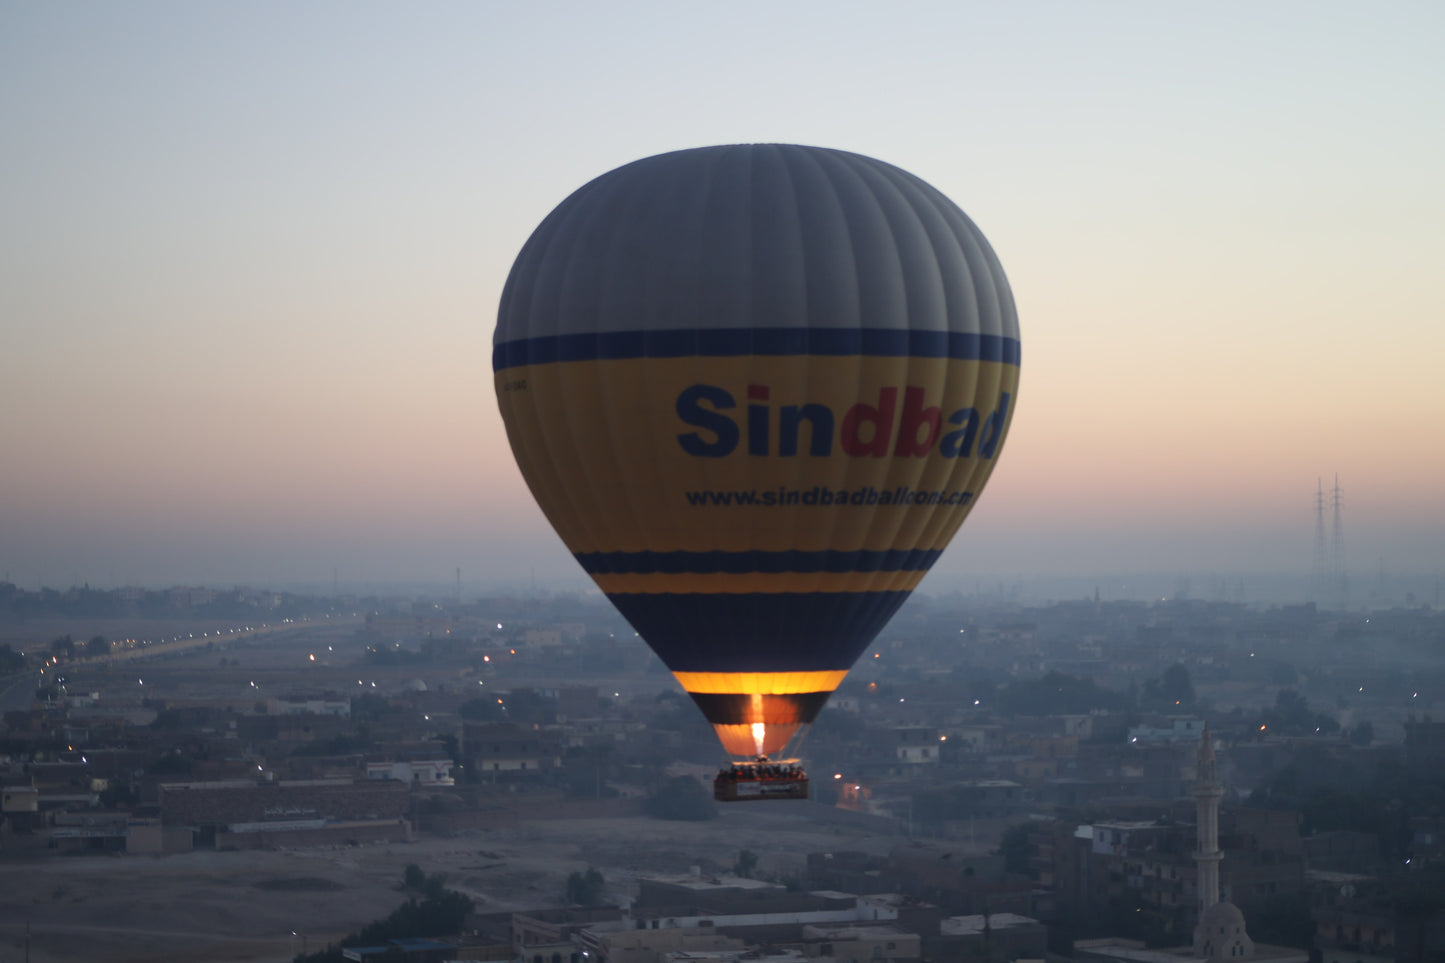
(672, 454)
(759, 683)
(770, 583)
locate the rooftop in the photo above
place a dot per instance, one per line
(973, 925)
(703, 883)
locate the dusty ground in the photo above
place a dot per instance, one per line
(209, 906)
(235, 907)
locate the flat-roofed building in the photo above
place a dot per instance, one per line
(994, 936)
(861, 942)
(250, 814)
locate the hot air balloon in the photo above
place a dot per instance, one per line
(756, 389)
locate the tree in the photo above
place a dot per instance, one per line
(451, 746)
(586, 889)
(1291, 715)
(119, 794)
(11, 661)
(443, 912)
(64, 645)
(381, 656)
(370, 707)
(414, 877)
(433, 887)
(682, 797)
(341, 744)
(97, 646)
(1056, 693)
(1362, 734)
(1177, 686)
(1291, 708)
(529, 705)
(676, 713)
(484, 709)
(747, 862)
(173, 763)
(1173, 691)
(1282, 673)
(1016, 849)
(586, 769)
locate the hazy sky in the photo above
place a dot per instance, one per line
(251, 254)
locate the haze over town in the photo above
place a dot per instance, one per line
(252, 775)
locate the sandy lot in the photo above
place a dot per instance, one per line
(209, 906)
(234, 907)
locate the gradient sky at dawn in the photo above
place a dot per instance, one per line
(251, 254)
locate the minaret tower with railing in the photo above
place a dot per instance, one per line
(1207, 792)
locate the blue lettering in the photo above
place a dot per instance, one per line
(820, 423)
(993, 428)
(958, 444)
(719, 435)
(725, 430)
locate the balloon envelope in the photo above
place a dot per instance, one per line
(756, 389)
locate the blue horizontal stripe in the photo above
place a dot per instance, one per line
(711, 563)
(734, 342)
(789, 632)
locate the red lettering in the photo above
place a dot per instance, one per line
(881, 418)
(915, 416)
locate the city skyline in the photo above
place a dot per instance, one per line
(253, 257)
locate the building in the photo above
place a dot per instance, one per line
(861, 942)
(1169, 729)
(1220, 934)
(504, 750)
(251, 814)
(993, 936)
(307, 705)
(420, 773)
(20, 806)
(728, 914)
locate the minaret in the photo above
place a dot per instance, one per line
(1206, 794)
(1220, 935)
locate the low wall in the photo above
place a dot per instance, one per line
(502, 813)
(461, 821)
(825, 815)
(560, 807)
(339, 834)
